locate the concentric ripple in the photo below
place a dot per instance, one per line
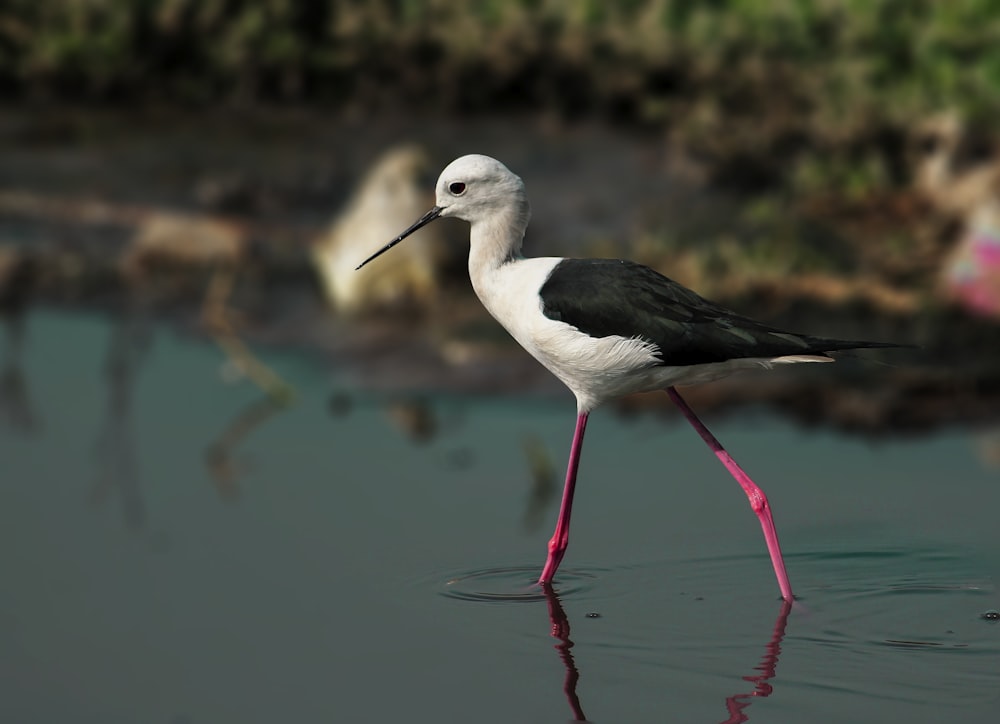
(514, 584)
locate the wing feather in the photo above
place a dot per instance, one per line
(604, 297)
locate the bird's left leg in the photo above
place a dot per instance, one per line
(758, 501)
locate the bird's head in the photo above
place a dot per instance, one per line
(472, 188)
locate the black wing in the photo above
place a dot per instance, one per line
(604, 297)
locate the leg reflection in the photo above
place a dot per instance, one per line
(560, 631)
(736, 703)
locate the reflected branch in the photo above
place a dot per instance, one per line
(736, 703)
(16, 408)
(560, 631)
(543, 481)
(219, 455)
(218, 319)
(115, 445)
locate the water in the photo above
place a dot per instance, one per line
(176, 550)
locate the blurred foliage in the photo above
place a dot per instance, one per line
(830, 85)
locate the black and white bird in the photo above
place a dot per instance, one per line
(607, 327)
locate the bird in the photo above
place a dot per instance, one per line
(607, 327)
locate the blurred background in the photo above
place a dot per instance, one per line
(225, 164)
(186, 187)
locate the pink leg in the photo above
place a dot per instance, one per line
(758, 501)
(560, 539)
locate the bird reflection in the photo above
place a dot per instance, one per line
(560, 632)
(736, 704)
(115, 445)
(219, 455)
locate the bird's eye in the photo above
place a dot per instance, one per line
(457, 188)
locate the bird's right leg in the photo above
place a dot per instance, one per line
(560, 539)
(758, 501)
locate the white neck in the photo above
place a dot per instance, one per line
(495, 240)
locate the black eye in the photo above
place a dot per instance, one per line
(457, 188)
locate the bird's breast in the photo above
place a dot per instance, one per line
(592, 367)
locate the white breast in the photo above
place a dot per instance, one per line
(595, 369)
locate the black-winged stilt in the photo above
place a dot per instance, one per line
(607, 327)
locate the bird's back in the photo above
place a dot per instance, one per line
(606, 297)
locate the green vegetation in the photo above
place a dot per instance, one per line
(831, 85)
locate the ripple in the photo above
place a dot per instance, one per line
(513, 584)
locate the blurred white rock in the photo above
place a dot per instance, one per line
(397, 191)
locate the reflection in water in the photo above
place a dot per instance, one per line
(340, 404)
(414, 417)
(988, 447)
(17, 279)
(560, 631)
(219, 457)
(736, 703)
(543, 481)
(218, 319)
(16, 409)
(168, 257)
(115, 445)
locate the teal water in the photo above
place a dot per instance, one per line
(177, 551)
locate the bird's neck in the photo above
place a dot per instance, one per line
(495, 241)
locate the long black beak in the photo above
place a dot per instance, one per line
(421, 222)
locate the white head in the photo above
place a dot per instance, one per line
(477, 189)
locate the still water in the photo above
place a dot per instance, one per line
(177, 550)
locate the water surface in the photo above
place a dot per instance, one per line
(177, 549)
